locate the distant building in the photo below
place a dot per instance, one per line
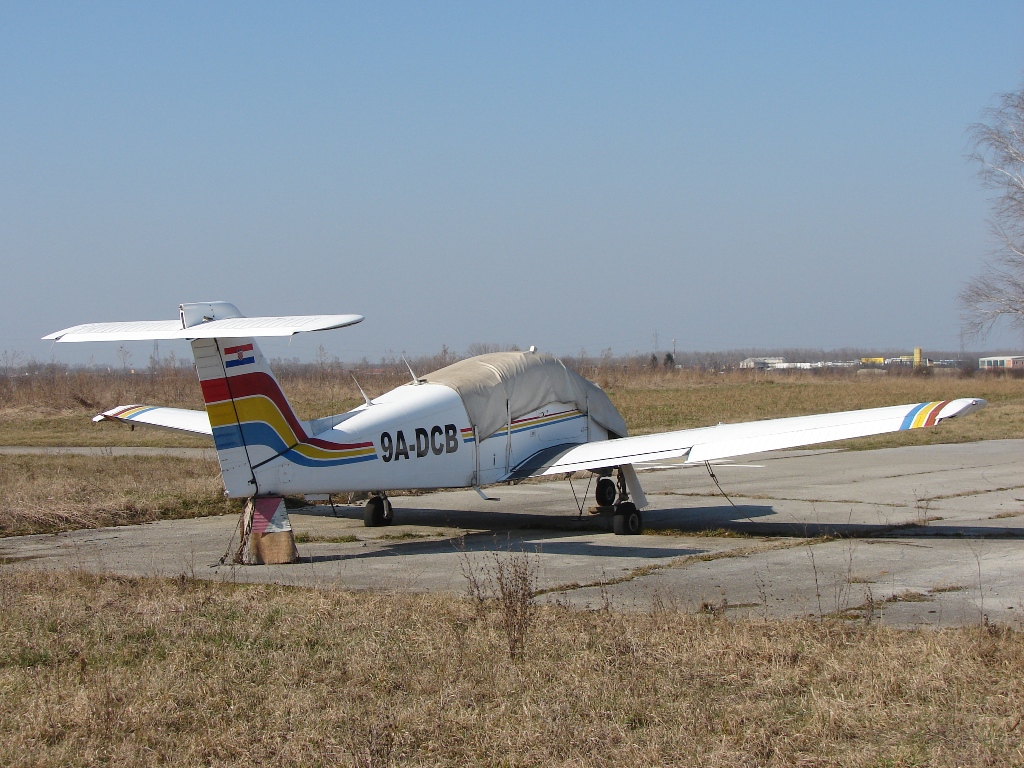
(780, 364)
(917, 360)
(763, 363)
(1001, 363)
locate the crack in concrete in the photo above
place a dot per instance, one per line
(679, 562)
(966, 494)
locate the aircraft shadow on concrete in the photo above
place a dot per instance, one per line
(484, 543)
(751, 520)
(592, 549)
(496, 521)
(748, 519)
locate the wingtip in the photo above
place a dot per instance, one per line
(963, 407)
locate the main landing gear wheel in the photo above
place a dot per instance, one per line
(378, 512)
(627, 520)
(606, 492)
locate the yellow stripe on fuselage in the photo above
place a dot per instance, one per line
(539, 421)
(312, 452)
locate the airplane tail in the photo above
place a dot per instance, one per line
(251, 419)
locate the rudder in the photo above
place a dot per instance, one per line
(251, 418)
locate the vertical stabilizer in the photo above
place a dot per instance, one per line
(252, 420)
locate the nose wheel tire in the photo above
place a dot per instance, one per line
(627, 520)
(378, 512)
(606, 492)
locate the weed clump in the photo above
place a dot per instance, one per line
(507, 581)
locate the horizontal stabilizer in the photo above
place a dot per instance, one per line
(180, 419)
(228, 328)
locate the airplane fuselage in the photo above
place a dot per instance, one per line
(418, 437)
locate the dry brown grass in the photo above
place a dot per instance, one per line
(46, 494)
(101, 670)
(685, 399)
(55, 407)
(41, 426)
(57, 410)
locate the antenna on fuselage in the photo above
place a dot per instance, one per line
(360, 389)
(415, 380)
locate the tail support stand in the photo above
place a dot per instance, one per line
(266, 533)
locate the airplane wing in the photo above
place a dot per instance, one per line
(180, 419)
(726, 440)
(229, 327)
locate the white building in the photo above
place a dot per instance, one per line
(763, 363)
(1001, 363)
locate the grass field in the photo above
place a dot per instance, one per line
(114, 671)
(107, 670)
(46, 494)
(682, 402)
(59, 411)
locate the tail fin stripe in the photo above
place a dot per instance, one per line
(260, 433)
(259, 409)
(260, 412)
(227, 437)
(258, 398)
(249, 385)
(215, 390)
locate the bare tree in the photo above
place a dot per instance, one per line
(125, 356)
(998, 292)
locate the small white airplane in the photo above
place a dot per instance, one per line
(489, 419)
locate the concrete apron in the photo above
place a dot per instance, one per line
(926, 535)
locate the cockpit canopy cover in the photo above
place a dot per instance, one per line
(503, 386)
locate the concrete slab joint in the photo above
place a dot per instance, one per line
(265, 532)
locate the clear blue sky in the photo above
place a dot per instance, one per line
(561, 174)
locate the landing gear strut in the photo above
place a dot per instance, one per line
(378, 511)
